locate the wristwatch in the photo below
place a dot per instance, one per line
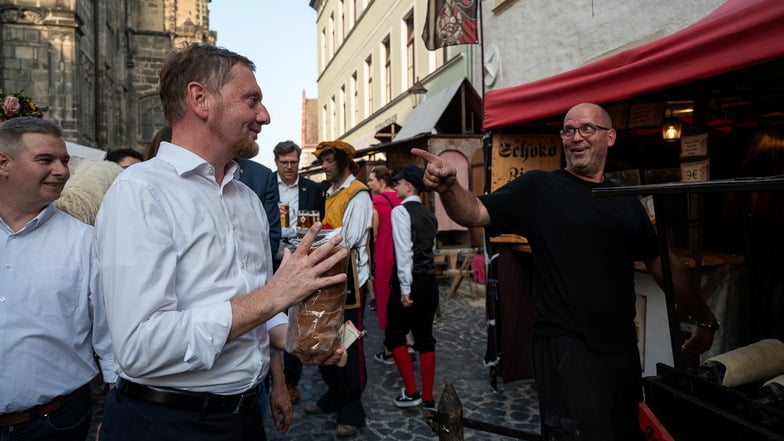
(715, 326)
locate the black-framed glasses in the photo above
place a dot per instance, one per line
(585, 130)
(288, 163)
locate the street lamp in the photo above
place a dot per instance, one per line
(417, 92)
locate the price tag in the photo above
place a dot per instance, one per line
(696, 145)
(695, 171)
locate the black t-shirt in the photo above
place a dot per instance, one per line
(584, 250)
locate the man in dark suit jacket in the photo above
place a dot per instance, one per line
(261, 180)
(300, 194)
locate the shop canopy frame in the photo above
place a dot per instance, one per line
(738, 34)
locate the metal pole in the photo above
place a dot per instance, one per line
(669, 290)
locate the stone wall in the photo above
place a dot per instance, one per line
(95, 63)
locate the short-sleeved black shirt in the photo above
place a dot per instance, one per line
(584, 250)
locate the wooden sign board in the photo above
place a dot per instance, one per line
(515, 154)
(646, 115)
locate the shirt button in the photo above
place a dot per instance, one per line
(2, 299)
(211, 170)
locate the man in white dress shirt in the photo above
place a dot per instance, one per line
(186, 265)
(51, 317)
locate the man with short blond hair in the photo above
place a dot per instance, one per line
(186, 264)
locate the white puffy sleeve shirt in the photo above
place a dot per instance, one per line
(404, 245)
(174, 247)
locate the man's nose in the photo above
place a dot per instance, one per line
(263, 116)
(60, 168)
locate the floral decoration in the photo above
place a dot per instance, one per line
(13, 104)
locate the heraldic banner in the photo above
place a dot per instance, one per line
(451, 22)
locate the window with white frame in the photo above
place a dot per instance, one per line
(332, 35)
(354, 99)
(341, 22)
(333, 118)
(369, 86)
(324, 121)
(343, 110)
(387, 54)
(323, 48)
(408, 23)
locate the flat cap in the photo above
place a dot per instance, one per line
(412, 174)
(326, 146)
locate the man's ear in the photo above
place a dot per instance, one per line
(5, 162)
(197, 99)
(611, 136)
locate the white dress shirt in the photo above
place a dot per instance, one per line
(289, 194)
(51, 316)
(357, 221)
(174, 247)
(404, 246)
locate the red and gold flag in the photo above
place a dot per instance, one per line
(451, 22)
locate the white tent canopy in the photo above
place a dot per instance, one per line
(82, 151)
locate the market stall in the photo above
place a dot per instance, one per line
(718, 81)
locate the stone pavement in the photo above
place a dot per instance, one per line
(461, 335)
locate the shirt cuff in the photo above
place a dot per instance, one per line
(279, 319)
(211, 325)
(107, 370)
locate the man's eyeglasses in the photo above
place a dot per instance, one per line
(585, 130)
(288, 163)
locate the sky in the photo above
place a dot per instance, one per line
(279, 36)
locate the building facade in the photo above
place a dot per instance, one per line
(529, 40)
(95, 63)
(370, 57)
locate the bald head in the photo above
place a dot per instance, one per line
(586, 136)
(600, 115)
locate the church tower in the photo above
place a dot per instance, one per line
(95, 63)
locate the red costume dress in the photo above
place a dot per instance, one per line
(383, 252)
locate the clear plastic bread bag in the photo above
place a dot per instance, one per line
(314, 323)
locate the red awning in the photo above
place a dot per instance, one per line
(737, 34)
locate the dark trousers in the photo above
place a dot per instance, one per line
(127, 419)
(70, 422)
(346, 384)
(418, 318)
(584, 394)
(292, 368)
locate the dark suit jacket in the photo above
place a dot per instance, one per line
(264, 183)
(310, 196)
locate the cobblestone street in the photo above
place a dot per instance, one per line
(461, 335)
